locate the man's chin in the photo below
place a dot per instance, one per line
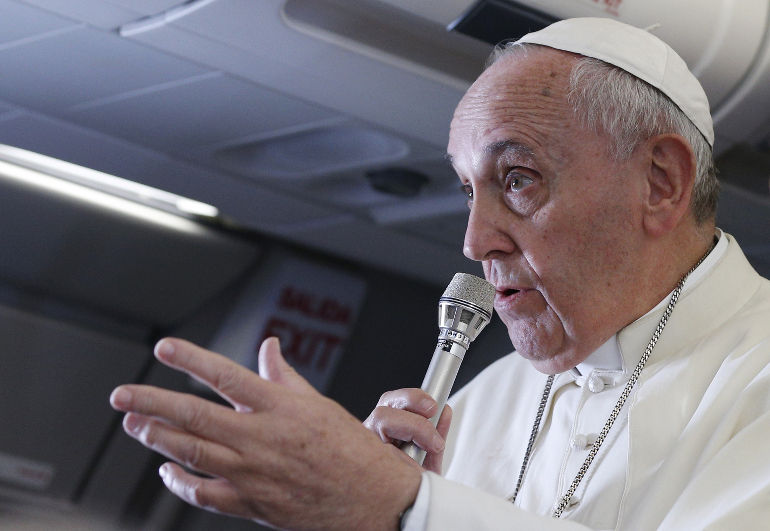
(551, 366)
(550, 362)
(546, 353)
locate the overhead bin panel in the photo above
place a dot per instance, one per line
(745, 116)
(54, 413)
(719, 39)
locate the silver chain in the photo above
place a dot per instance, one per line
(563, 502)
(533, 436)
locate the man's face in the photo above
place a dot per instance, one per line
(554, 218)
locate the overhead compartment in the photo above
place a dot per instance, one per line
(722, 41)
(53, 401)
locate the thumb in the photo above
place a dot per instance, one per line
(273, 367)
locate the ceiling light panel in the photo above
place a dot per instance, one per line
(46, 171)
(98, 198)
(252, 205)
(90, 254)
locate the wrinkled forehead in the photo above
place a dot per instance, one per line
(526, 93)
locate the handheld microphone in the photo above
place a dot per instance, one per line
(463, 311)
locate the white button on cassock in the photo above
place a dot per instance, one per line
(596, 384)
(579, 442)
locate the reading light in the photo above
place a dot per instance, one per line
(101, 189)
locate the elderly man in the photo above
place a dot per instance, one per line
(639, 393)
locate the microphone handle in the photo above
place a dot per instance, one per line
(438, 384)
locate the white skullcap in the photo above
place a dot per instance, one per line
(636, 51)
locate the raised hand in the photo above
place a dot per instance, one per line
(403, 415)
(285, 455)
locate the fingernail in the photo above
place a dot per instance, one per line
(131, 423)
(121, 397)
(164, 349)
(438, 443)
(163, 470)
(428, 405)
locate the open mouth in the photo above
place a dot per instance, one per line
(509, 292)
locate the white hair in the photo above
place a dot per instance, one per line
(609, 100)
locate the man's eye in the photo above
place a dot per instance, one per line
(518, 181)
(467, 189)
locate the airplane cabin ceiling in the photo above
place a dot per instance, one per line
(161, 107)
(213, 99)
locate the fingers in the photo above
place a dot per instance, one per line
(414, 400)
(216, 495)
(190, 413)
(444, 421)
(190, 450)
(433, 461)
(273, 367)
(403, 415)
(399, 425)
(233, 382)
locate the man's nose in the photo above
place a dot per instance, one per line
(488, 233)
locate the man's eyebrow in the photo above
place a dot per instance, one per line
(518, 148)
(496, 148)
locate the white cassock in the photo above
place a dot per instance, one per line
(689, 451)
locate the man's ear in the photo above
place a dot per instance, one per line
(671, 172)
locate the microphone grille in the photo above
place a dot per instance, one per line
(472, 289)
